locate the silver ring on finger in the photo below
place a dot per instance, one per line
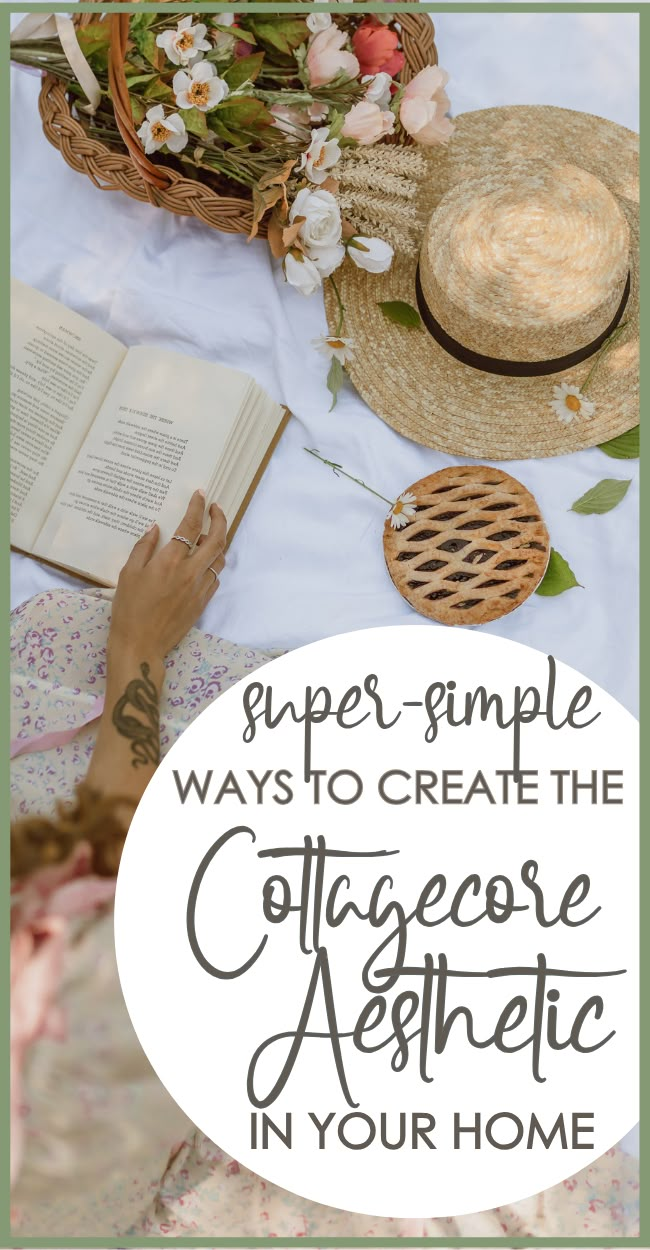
(180, 538)
(213, 571)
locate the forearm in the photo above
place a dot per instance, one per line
(128, 742)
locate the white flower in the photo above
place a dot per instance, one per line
(378, 88)
(321, 228)
(201, 88)
(158, 130)
(372, 254)
(224, 42)
(402, 509)
(568, 402)
(334, 347)
(185, 44)
(301, 272)
(321, 155)
(319, 21)
(327, 259)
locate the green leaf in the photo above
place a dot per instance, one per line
(603, 497)
(140, 78)
(140, 23)
(236, 31)
(138, 110)
(335, 380)
(336, 123)
(558, 576)
(158, 90)
(244, 111)
(402, 314)
(94, 37)
(281, 33)
(195, 122)
(245, 69)
(150, 50)
(143, 37)
(625, 447)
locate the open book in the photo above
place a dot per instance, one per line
(106, 440)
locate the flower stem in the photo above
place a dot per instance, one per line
(609, 342)
(341, 320)
(340, 472)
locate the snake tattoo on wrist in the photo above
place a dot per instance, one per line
(141, 695)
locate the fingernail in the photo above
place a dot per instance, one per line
(201, 492)
(151, 527)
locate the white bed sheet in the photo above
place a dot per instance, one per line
(307, 560)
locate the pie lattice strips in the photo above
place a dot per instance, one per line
(476, 548)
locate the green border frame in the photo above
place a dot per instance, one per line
(152, 1243)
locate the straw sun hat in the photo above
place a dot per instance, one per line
(528, 264)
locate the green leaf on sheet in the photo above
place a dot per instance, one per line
(335, 380)
(602, 497)
(558, 576)
(624, 447)
(402, 314)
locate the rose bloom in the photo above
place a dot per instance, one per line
(326, 58)
(424, 105)
(375, 46)
(321, 228)
(367, 123)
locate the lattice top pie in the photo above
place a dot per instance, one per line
(475, 549)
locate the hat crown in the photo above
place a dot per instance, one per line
(526, 262)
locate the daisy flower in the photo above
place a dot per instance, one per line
(200, 88)
(158, 130)
(402, 510)
(185, 44)
(568, 402)
(334, 347)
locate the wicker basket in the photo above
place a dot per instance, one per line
(132, 172)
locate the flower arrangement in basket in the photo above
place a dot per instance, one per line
(307, 129)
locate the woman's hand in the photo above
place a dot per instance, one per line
(161, 594)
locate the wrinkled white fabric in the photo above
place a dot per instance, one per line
(307, 560)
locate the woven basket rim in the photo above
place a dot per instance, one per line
(128, 171)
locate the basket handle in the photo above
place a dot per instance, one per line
(153, 176)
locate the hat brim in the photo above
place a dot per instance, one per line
(410, 381)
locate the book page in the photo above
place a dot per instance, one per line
(61, 368)
(159, 435)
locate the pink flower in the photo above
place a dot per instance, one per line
(39, 915)
(367, 123)
(326, 58)
(291, 121)
(423, 107)
(375, 46)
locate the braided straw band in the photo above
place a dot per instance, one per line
(513, 368)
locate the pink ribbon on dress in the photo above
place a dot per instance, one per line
(57, 737)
